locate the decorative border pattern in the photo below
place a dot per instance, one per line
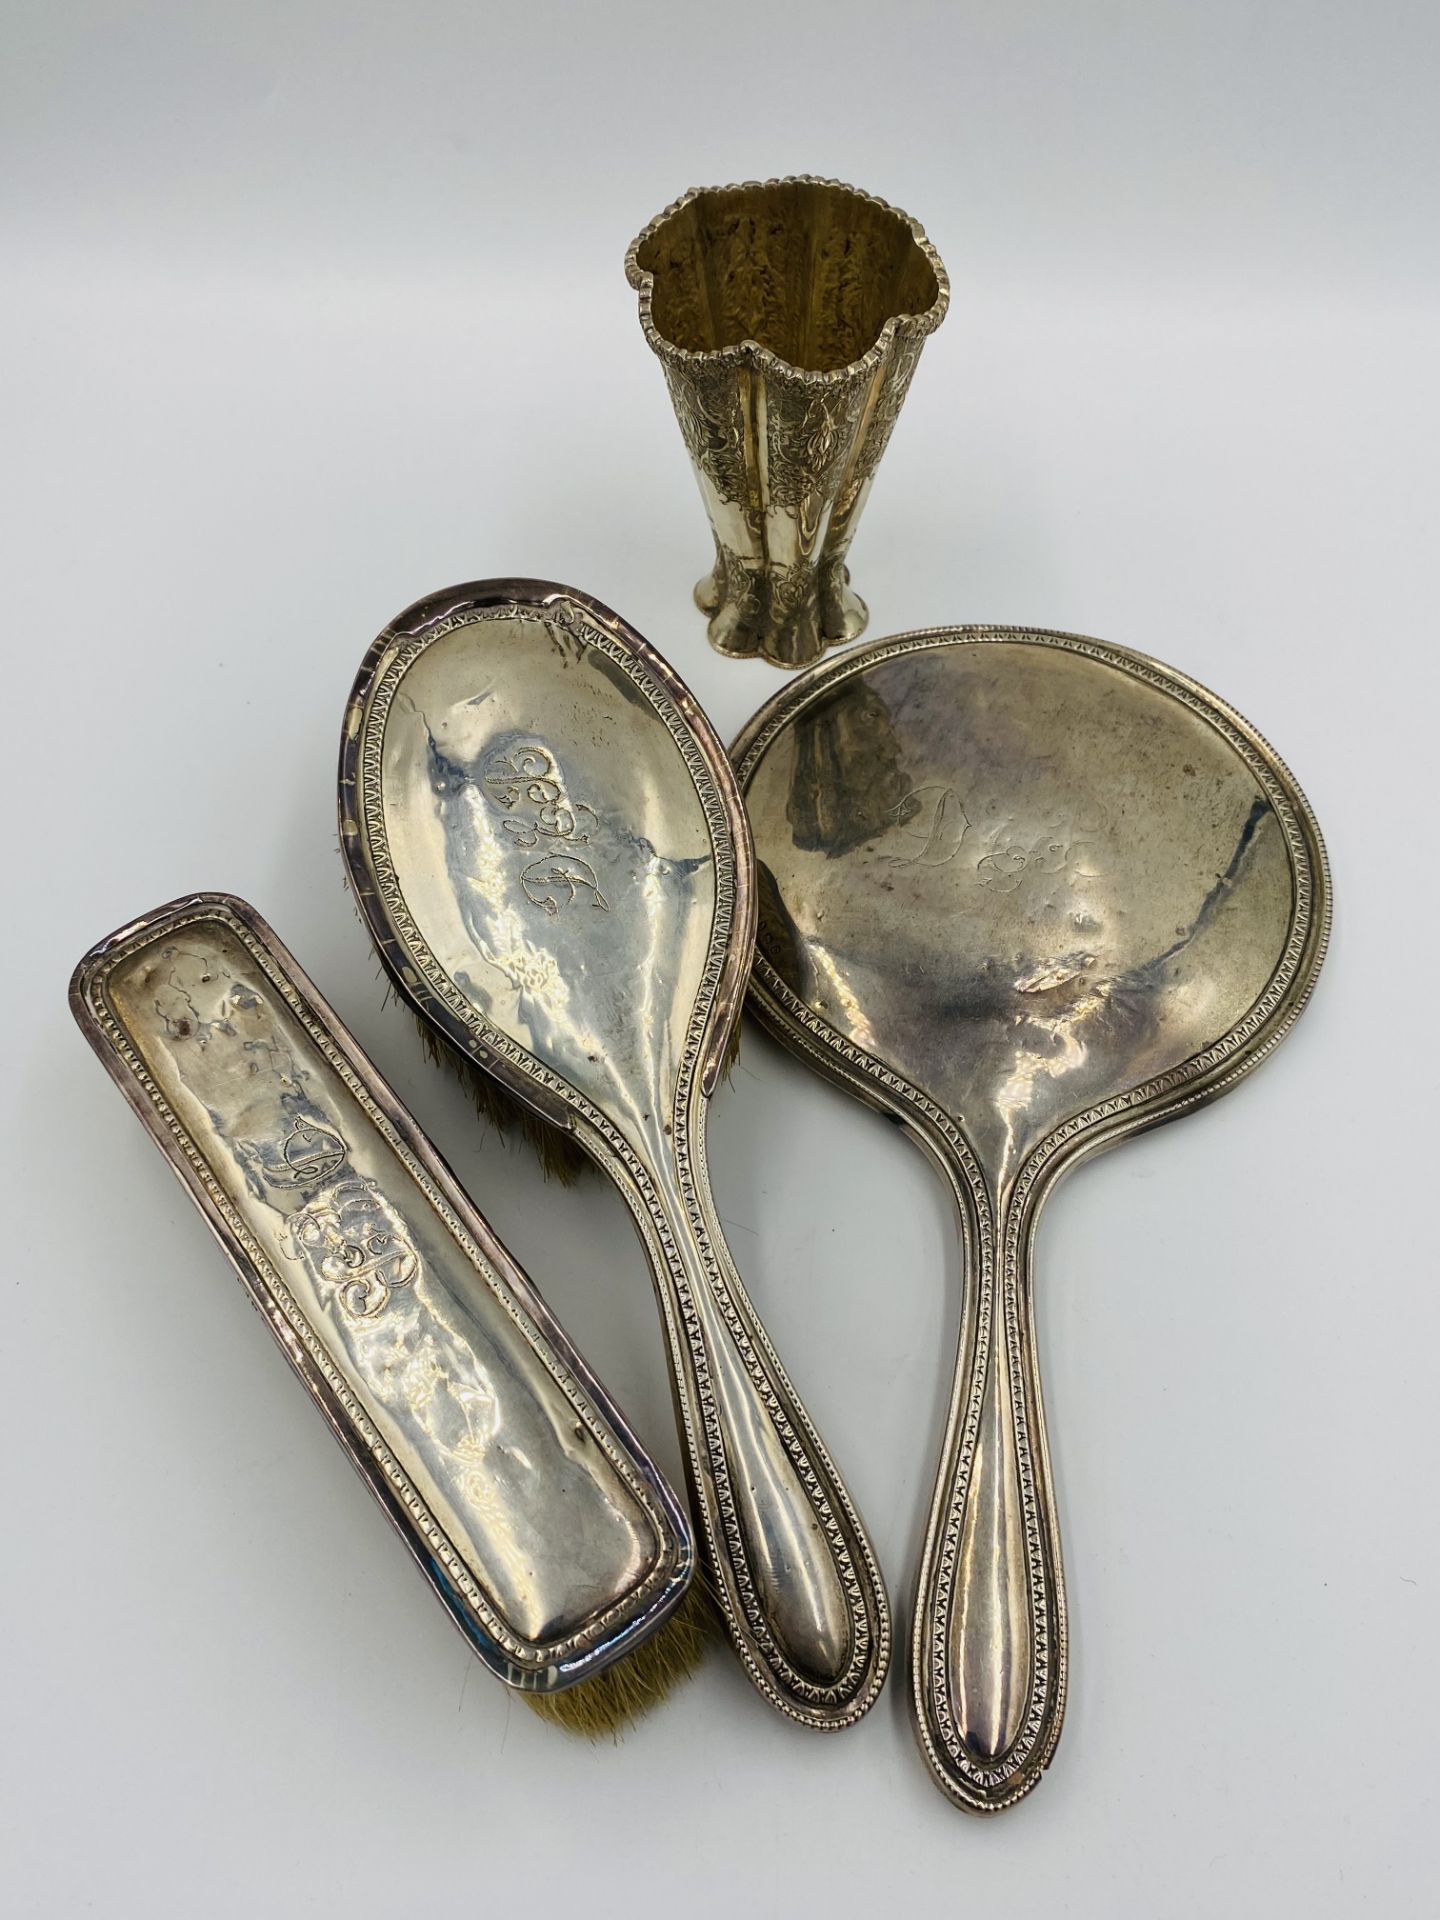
(424, 979)
(1204, 1076)
(437, 1542)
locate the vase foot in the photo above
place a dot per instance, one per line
(844, 614)
(832, 615)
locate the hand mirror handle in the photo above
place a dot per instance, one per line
(989, 1649)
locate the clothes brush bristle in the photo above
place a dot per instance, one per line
(599, 1709)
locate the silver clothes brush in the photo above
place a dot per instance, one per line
(547, 1533)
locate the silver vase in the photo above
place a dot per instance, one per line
(788, 316)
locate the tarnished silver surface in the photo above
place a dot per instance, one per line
(543, 1527)
(547, 842)
(1027, 893)
(788, 316)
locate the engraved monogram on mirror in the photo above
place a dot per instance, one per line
(1005, 843)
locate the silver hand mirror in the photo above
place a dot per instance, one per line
(548, 844)
(1027, 894)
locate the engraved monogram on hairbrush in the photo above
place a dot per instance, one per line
(618, 1035)
(526, 778)
(546, 1539)
(1023, 971)
(526, 784)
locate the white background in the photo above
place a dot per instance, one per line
(311, 309)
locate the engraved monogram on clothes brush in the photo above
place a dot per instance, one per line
(260, 1097)
(352, 1237)
(310, 1152)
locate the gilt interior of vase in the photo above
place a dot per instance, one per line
(810, 271)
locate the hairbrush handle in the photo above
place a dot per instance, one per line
(989, 1655)
(783, 1546)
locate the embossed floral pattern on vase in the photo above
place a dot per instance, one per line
(788, 316)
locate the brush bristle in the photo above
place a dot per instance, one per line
(732, 1048)
(560, 1156)
(558, 1152)
(598, 1709)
